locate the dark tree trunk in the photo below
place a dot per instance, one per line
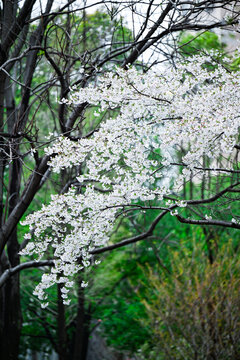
(86, 333)
(11, 308)
(62, 335)
(11, 319)
(82, 332)
(79, 330)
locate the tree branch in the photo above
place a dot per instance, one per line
(208, 222)
(30, 264)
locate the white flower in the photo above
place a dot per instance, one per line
(84, 284)
(125, 157)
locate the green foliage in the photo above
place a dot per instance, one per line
(235, 64)
(208, 42)
(101, 30)
(121, 325)
(191, 44)
(194, 312)
(117, 289)
(35, 320)
(114, 302)
(135, 286)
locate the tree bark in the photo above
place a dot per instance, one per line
(82, 332)
(61, 326)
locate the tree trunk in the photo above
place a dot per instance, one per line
(11, 319)
(62, 335)
(83, 319)
(11, 308)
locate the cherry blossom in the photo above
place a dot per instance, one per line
(133, 155)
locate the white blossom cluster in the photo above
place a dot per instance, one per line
(131, 154)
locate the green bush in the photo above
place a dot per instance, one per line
(194, 313)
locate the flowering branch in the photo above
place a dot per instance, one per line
(132, 160)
